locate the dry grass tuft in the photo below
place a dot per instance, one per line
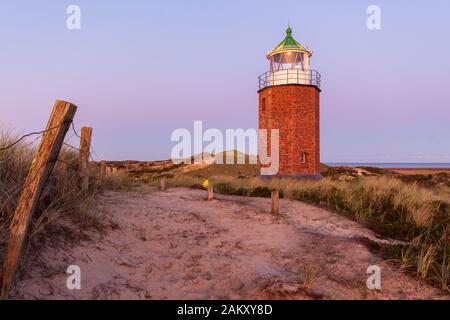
(61, 203)
(119, 182)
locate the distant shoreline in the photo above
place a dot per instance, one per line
(397, 166)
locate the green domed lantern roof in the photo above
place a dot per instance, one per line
(289, 44)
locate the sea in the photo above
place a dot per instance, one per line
(393, 165)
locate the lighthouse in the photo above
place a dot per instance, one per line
(289, 101)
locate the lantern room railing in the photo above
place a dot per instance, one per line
(289, 76)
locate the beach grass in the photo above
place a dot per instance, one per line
(62, 196)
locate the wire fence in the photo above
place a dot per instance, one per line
(39, 133)
(92, 153)
(91, 149)
(11, 183)
(31, 181)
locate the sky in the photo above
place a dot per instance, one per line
(138, 70)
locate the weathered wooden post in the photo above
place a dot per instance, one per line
(275, 202)
(210, 193)
(40, 170)
(85, 147)
(102, 169)
(163, 184)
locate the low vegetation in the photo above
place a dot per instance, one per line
(62, 198)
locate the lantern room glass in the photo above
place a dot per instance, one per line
(287, 60)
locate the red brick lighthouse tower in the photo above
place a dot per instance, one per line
(289, 101)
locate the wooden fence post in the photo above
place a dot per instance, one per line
(102, 170)
(40, 170)
(210, 193)
(85, 147)
(163, 184)
(275, 202)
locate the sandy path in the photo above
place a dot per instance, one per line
(176, 245)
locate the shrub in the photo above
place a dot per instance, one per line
(263, 192)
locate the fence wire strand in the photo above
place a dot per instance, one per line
(8, 195)
(29, 135)
(91, 150)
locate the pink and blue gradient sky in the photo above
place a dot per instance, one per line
(140, 69)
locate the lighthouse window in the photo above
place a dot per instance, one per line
(303, 158)
(287, 60)
(299, 61)
(263, 105)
